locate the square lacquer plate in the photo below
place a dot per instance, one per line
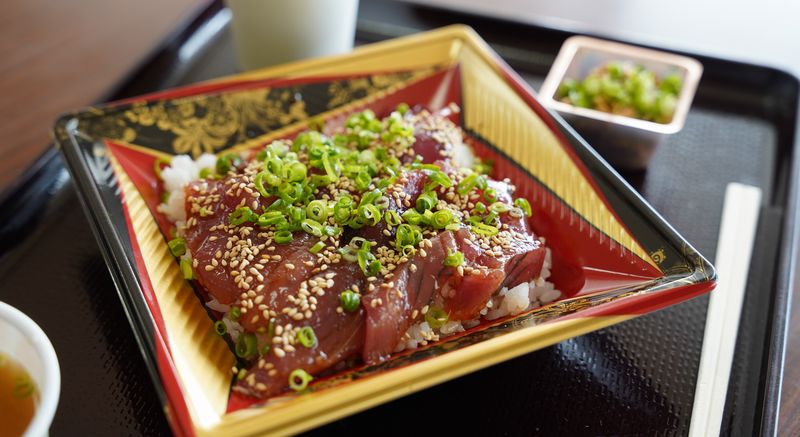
(614, 257)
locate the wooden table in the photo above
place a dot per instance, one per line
(60, 55)
(57, 55)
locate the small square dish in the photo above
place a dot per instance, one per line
(626, 141)
(613, 256)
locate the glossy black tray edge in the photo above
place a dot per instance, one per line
(84, 173)
(149, 77)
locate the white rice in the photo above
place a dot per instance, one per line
(182, 170)
(463, 156)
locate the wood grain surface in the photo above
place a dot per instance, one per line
(60, 55)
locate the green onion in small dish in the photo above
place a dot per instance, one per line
(625, 88)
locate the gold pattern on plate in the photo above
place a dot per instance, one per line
(658, 256)
(210, 123)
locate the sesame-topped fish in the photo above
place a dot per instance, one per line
(379, 235)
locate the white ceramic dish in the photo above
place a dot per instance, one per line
(23, 340)
(626, 142)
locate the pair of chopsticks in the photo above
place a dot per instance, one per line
(736, 238)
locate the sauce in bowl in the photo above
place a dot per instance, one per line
(18, 397)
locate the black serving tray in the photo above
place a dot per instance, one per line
(635, 378)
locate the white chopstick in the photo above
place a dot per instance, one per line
(736, 237)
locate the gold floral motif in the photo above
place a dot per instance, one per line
(658, 256)
(209, 123)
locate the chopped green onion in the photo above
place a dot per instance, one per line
(299, 379)
(226, 162)
(220, 328)
(277, 205)
(241, 374)
(362, 181)
(412, 217)
(408, 250)
(441, 218)
(290, 192)
(470, 182)
(420, 166)
(205, 172)
(332, 230)
(283, 237)
(177, 246)
(319, 245)
(349, 300)
(329, 169)
(484, 229)
(306, 337)
(366, 260)
(436, 317)
(524, 205)
(274, 165)
(370, 213)
(186, 269)
(383, 202)
(312, 227)
(392, 218)
(278, 148)
(296, 172)
(492, 219)
(296, 214)
(342, 210)
(358, 242)
(246, 345)
(241, 215)
(439, 178)
(259, 182)
(499, 207)
(480, 208)
(404, 236)
(157, 165)
(235, 313)
(426, 201)
(347, 254)
(317, 210)
(271, 218)
(490, 194)
(370, 197)
(402, 108)
(454, 258)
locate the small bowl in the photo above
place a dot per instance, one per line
(626, 142)
(24, 341)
